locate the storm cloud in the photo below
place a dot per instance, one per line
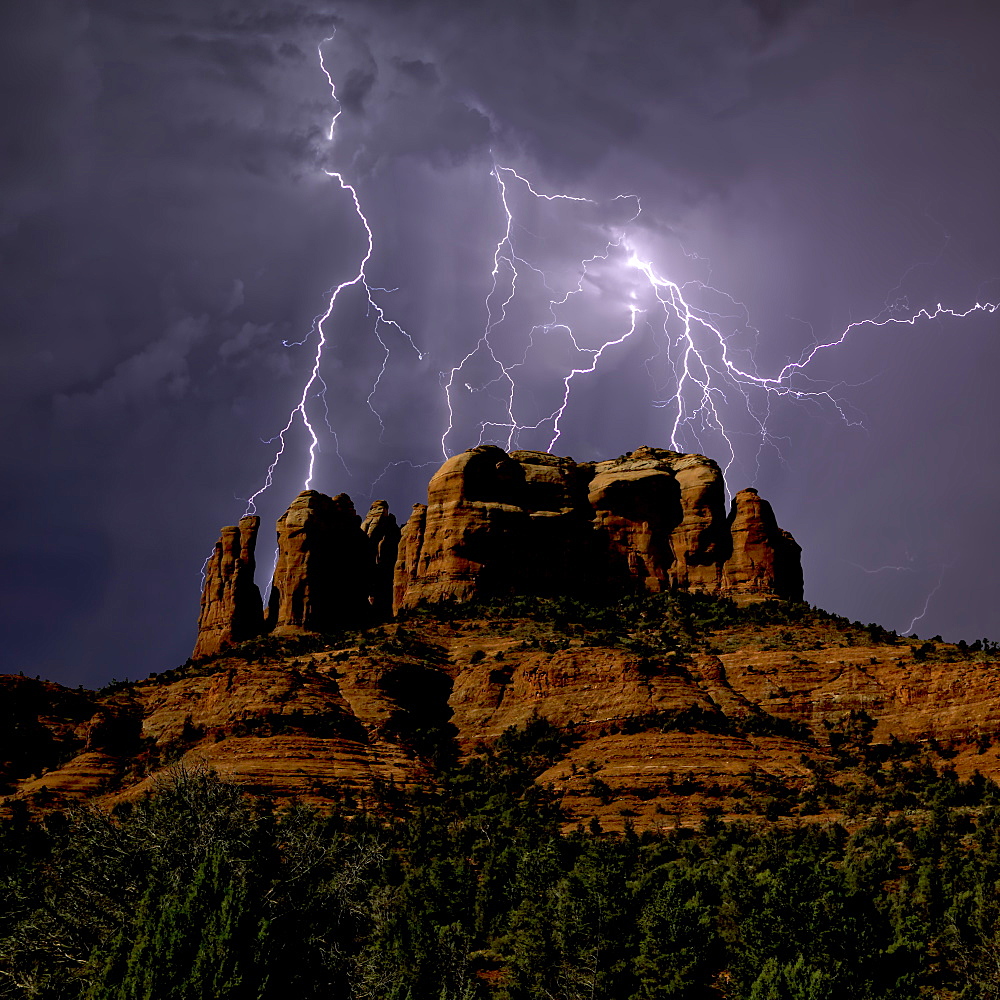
(168, 223)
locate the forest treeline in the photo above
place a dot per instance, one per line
(469, 890)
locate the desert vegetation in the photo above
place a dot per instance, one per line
(469, 889)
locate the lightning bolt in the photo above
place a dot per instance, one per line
(707, 377)
(927, 602)
(506, 259)
(315, 386)
(708, 383)
(395, 465)
(503, 257)
(879, 569)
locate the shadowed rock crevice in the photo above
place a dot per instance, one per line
(383, 535)
(422, 719)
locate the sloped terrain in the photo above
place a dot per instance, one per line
(675, 707)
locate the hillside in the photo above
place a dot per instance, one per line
(675, 707)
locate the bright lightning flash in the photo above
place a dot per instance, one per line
(707, 378)
(314, 385)
(710, 386)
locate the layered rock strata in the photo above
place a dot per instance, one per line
(533, 523)
(231, 607)
(311, 725)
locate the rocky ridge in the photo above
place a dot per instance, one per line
(496, 524)
(616, 600)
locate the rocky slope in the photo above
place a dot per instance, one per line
(678, 706)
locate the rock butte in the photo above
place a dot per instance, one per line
(308, 718)
(497, 524)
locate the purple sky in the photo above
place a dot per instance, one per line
(167, 221)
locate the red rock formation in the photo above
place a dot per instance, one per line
(765, 559)
(664, 516)
(332, 570)
(231, 607)
(700, 542)
(466, 540)
(635, 509)
(408, 567)
(383, 534)
(323, 575)
(498, 524)
(530, 522)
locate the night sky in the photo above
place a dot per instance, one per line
(167, 221)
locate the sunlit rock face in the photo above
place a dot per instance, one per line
(764, 559)
(534, 523)
(497, 524)
(231, 607)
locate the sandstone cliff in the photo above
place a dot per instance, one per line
(231, 608)
(533, 523)
(496, 524)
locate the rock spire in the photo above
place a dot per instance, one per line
(325, 566)
(231, 607)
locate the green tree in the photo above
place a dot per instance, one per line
(206, 938)
(678, 940)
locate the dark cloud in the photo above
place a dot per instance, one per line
(166, 223)
(356, 87)
(420, 71)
